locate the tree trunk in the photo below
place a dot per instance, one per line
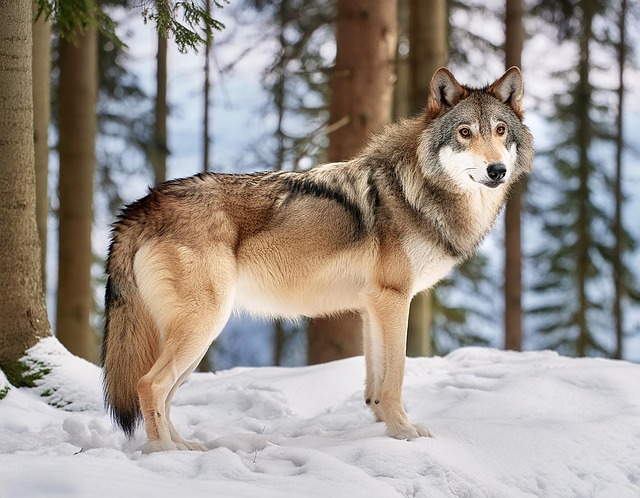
(428, 46)
(362, 91)
(402, 86)
(41, 113)
(23, 317)
(512, 215)
(279, 342)
(618, 229)
(428, 51)
(279, 97)
(159, 149)
(420, 324)
(206, 140)
(77, 128)
(583, 103)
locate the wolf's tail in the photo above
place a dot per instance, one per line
(130, 344)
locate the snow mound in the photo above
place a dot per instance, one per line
(4, 385)
(62, 379)
(506, 424)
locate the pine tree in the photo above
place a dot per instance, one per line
(23, 316)
(297, 83)
(362, 94)
(514, 38)
(41, 113)
(125, 139)
(159, 149)
(626, 289)
(619, 248)
(77, 96)
(572, 267)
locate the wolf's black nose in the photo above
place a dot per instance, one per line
(496, 171)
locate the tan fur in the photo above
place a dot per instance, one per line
(491, 150)
(362, 235)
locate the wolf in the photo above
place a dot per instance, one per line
(365, 234)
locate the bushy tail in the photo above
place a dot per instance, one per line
(130, 345)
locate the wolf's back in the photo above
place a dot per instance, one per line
(130, 344)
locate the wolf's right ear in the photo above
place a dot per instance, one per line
(509, 89)
(444, 93)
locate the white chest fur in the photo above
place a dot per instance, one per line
(428, 263)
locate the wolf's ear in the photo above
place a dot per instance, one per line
(444, 93)
(510, 89)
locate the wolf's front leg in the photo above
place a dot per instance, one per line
(374, 361)
(388, 313)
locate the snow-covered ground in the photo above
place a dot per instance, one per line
(506, 425)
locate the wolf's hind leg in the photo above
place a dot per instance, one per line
(175, 435)
(190, 294)
(181, 352)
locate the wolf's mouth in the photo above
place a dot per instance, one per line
(493, 183)
(488, 183)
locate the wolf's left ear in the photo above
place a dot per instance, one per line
(444, 92)
(510, 89)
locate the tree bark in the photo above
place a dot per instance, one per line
(23, 317)
(512, 217)
(41, 114)
(428, 46)
(583, 103)
(362, 92)
(428, 51)
(160, 149)
(77, 128)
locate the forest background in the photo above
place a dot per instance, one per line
(260, 90)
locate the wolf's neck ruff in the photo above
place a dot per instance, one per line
(365, 234)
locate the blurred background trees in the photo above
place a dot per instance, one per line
(584, 284)
(560, 272)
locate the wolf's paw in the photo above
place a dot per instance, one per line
(408, 431)
(422, 430)
(181, 444)
(194, 446)
(158, 445)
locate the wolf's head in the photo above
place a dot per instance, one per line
(476, 136)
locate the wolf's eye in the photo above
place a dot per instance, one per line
(501, 130)
(465, 132)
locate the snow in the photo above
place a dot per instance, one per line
(506, 424)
